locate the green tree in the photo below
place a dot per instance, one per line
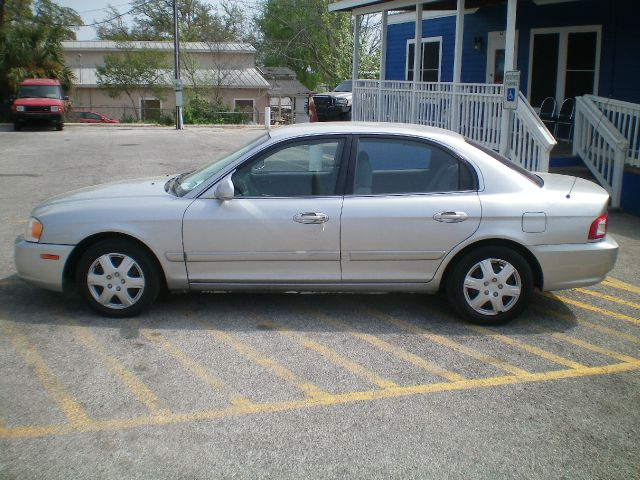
(313, 42)
(198, 21)
(141, 71)
(31, 42)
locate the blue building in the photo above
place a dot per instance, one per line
(564, 49)
(582, 51)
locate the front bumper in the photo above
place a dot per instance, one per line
(32, 116)
(576, 265)
(37, 271)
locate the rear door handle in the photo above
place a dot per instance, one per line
(450, 217)
(311, 217)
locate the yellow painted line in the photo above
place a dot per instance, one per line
(279, 370)
(389, 348)
(441, 340)
(32, 431)
(48, 379)
(620, 285)
(585, 323)
(526, 347)
(332, 356)
(611, 298)
(194, 367)
(132, 382)
(586, 345)
(591, 308)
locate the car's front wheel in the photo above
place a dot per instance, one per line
(490, 285)
(118, 278)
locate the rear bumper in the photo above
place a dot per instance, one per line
(576, 265)
(37, 271)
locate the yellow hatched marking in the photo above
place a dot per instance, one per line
(194, 367)
(332, 356)
(588, 324)
(389, 348)
(33, 431)
(586, 306)
(442, 340)
(527, 347)
(620, 285)
(280, 371)
(609, 297)
(132, 382)
(586, 345)
(48, 379)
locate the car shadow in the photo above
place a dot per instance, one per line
(376, 314)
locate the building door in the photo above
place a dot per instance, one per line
(564, 63)
(495, 56)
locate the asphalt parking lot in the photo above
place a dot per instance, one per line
(299, 386)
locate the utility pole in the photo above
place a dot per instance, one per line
(177, 83)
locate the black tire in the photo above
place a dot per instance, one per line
(17, 126)
(499, 307)
(144, 271)
(346, 117)
(59, 126)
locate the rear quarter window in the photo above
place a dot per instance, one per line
(532, 177)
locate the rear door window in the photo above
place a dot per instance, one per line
(399, 165)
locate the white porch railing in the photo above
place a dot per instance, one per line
(471, 109)
(530, 142)
(625, 116)
(600, 145)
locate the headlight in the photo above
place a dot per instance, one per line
(55, 108)
(34, 230)
(20, 108)
(341, 101)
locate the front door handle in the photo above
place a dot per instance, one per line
(450, 217)
(311, 217)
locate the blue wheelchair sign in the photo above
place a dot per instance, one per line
(511, 94)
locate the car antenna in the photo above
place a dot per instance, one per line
(575, 179)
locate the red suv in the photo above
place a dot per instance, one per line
(39, 99)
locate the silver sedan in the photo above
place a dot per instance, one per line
(329, 207)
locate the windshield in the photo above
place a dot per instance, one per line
(343, 86)
(40, 91)
(187, 183)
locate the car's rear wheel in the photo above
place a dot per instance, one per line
(118, 278)
(490, 285)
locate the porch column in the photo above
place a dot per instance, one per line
(383, 66)
(356, 68)
(457, 67)
(417, 63)
(509, 64)
(383, 45)
(356, 48)
(457, 58)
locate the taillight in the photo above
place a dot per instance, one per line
(599, 227)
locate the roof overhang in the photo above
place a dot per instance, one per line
(360, 7)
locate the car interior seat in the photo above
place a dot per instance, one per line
(364, 175)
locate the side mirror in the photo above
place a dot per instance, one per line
(225, 189)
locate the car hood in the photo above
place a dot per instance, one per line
(346, 95)
(129, 189)
(37, 101)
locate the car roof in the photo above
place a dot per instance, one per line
(363, 128)
(39, 81)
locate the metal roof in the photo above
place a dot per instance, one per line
(241, 78)
(108, 45)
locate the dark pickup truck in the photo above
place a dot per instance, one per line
(335, 105)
